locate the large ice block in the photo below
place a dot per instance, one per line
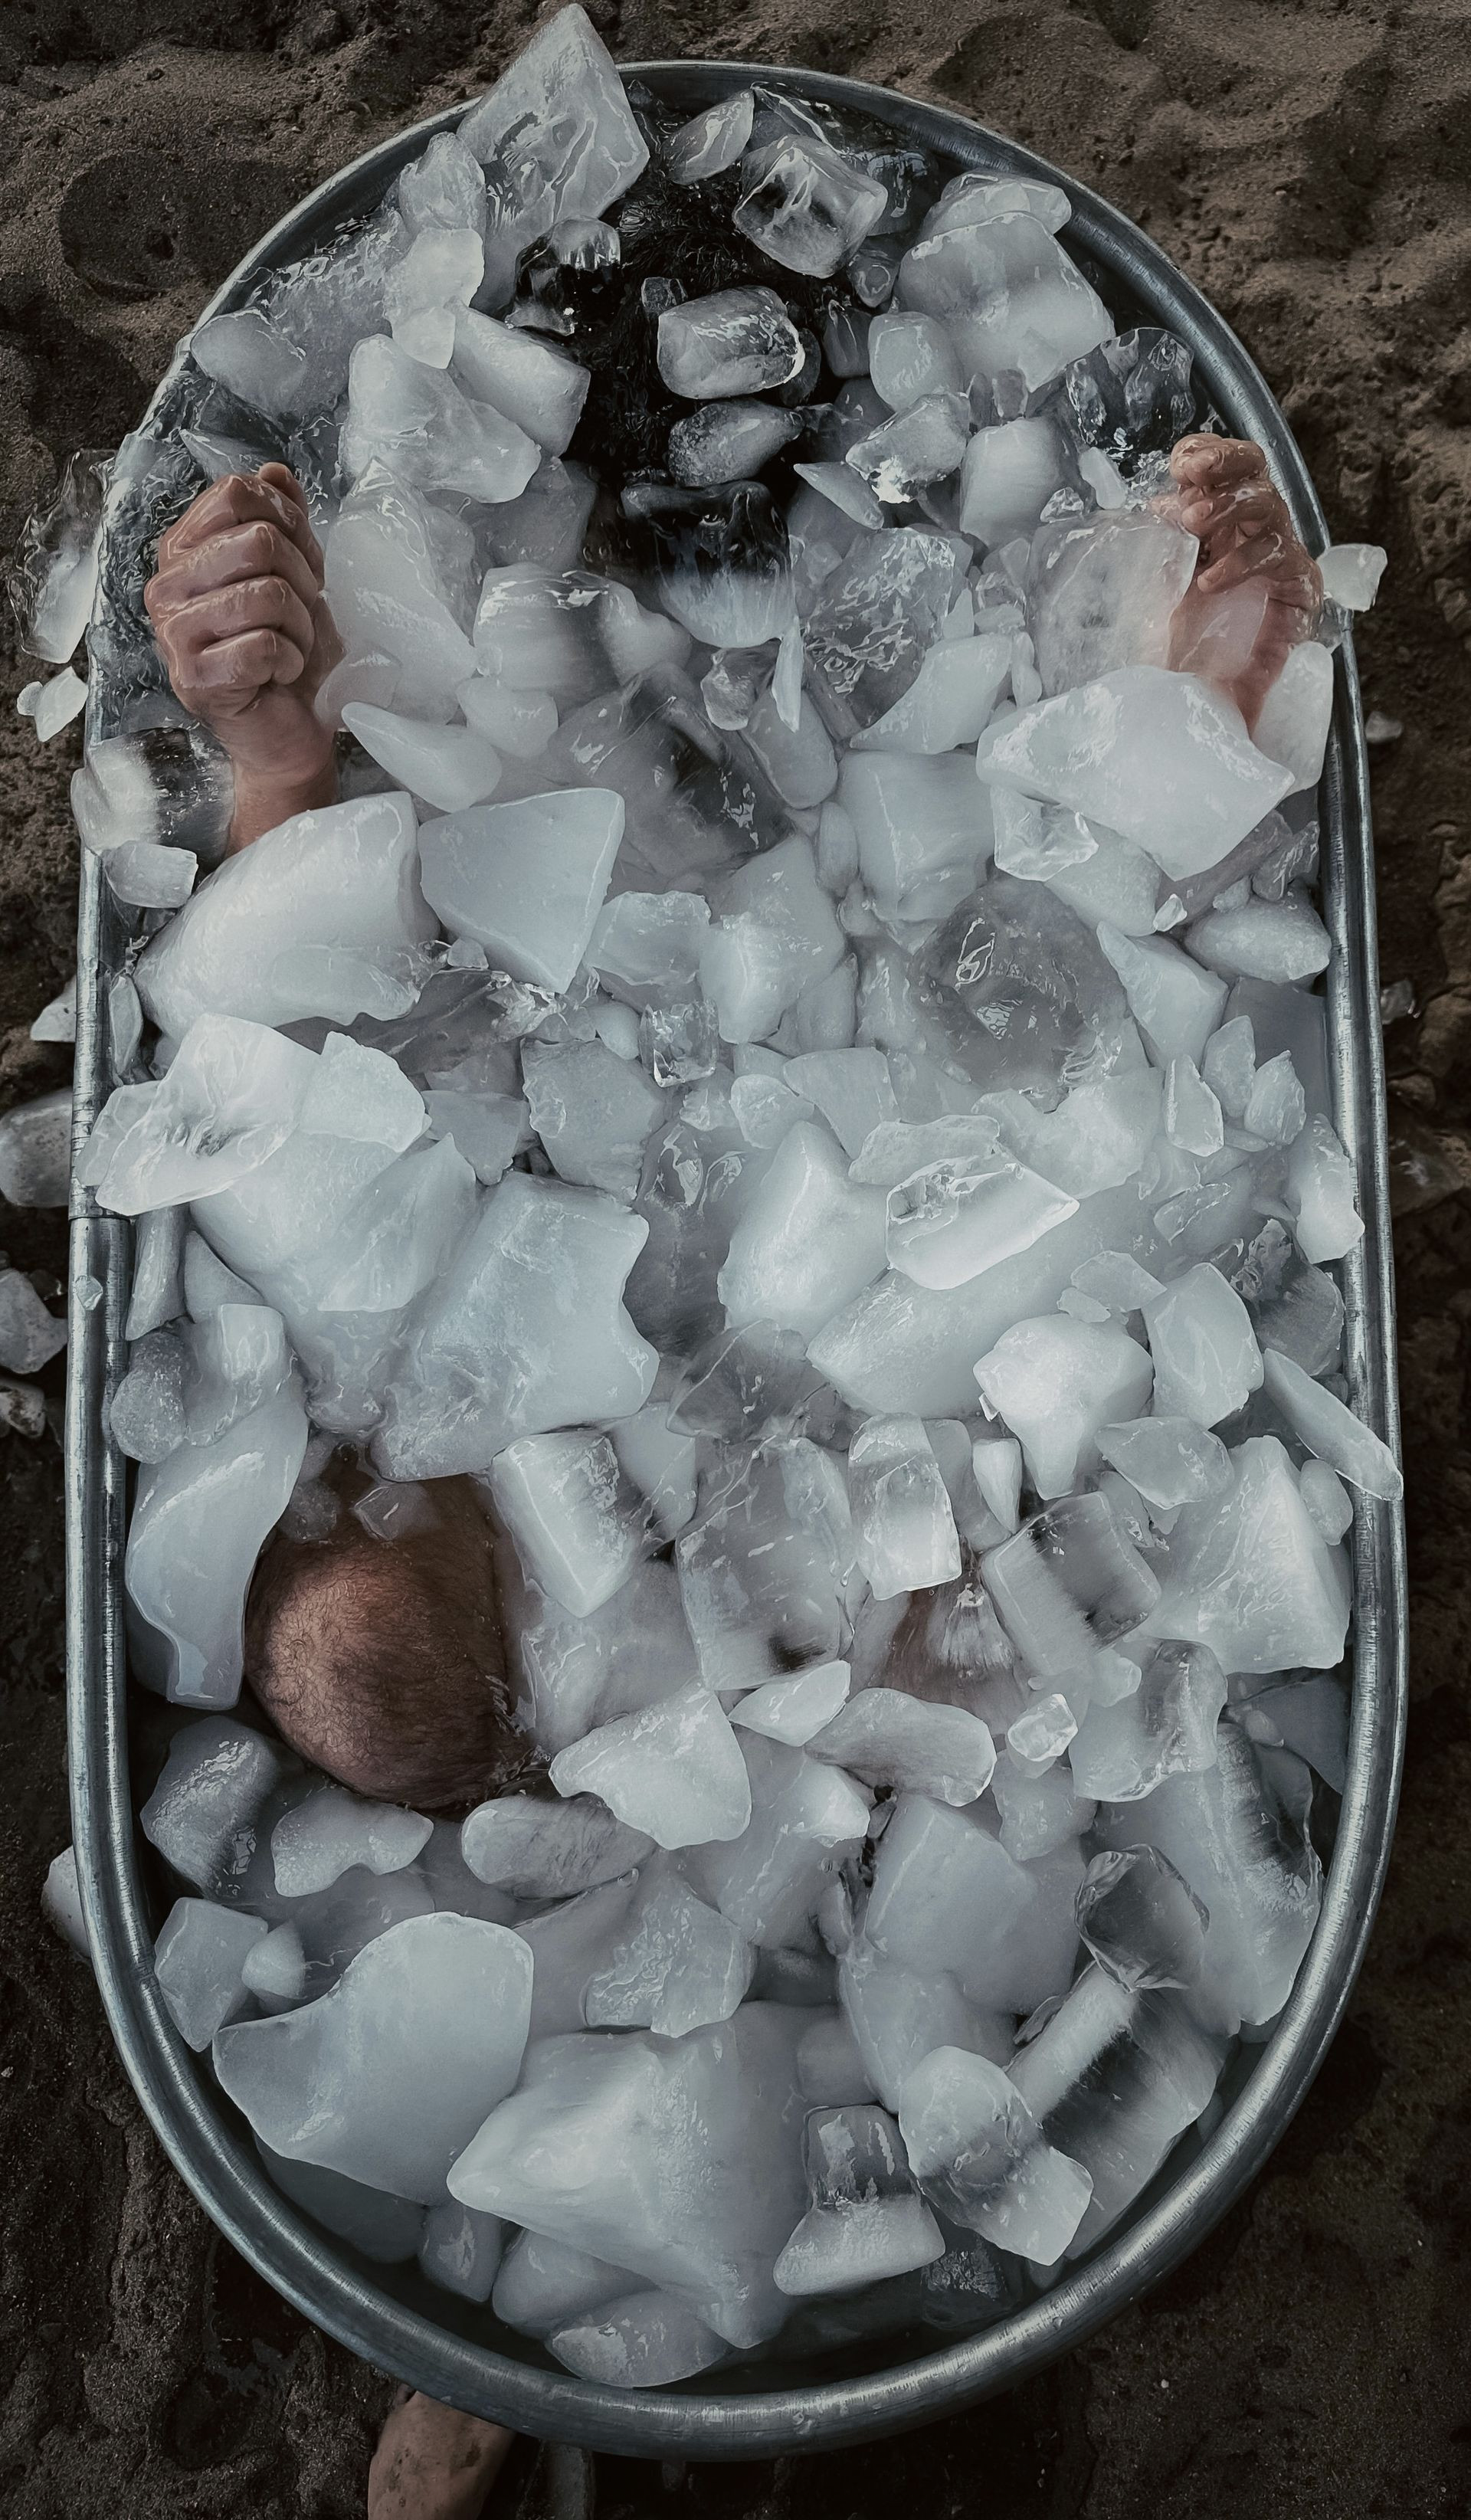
(560, 109)
(527, 879)
(1008, 296)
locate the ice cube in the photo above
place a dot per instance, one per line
(947, 1896)
(544, 2283)
(923, 828)
(729, 441)
(897, 1149)
(674, 1770)
(460, 2250)
(878, 610)
(277, 1970)
(202, 1813)
(865, 2224)
(1155, 755)
(1068, 1583)
(738, 341)
(29, 1335)
(980, 2157)
(1250, 1575)
(443, 189)
(486, 1129)
(948, 703)
(54, 704)
(809, 1240)
(794, 1710)
(527, 879)
(1031, 980)
(197, 1961)
(913, 448)
(560, 109)
(949, 1222)
(339, 877)
(62, 1901)
(448, 766)
(903, 1522)
(1056, 1382)
(896, 2012)
(432, 285)
(525, 1332)
(1142, 1922)
(1101, 592)
(1293, 721)
(646, 945)
(1264, 940)
(1009, 473)
(642, 2340)
(887, 1738)
(911, 356)
(1244, 1851)
(1039, 1736)
(711, 141)
(680, 2159)
(1351, 573)
(724, 565)
(1165, 1728)
(576, 1523)
(417, 422)
(808, 207)
(35, 1150)
(593, 1112)
(843, 489)
(775, 931)
(1318, 1193)
(1192, 1113)
(805, 1819)
(1114, 2079)
(198, 1522)
(1171, 1461)
(439, 2004)
(526, 380)
(57, 1021)
(1276, 1107)
(317, 1841)
(1329, 1430)
(1010, 296)
(52, 574)
(1206, 1358)
(549, 1850)
(1175, 1005)
(1039, 1812)
(677, 1964)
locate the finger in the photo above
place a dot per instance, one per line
(1262, 557)
(255, 550)
(239, 668)
(1218, 462)
(239, 499)
(1251, 508)
(251, 604)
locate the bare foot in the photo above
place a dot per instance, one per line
(1256, 592)
(434, 2463)
(244, 628)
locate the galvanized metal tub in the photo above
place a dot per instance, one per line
(391, 2316)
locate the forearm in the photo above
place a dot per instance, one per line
(265, 797)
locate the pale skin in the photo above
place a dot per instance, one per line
(244, 627)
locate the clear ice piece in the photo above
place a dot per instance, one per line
(911, 356)
(448, 766)
(1164, 1728)
(884, 1736)
(539, 1849)
(729, 441)
(1142, 1922)
(1175, 1005)
(775, 931)
(593, 1112)
(979, 2156)
(949, 703)
(441, 2004)
(1318, 1194)
(417, 422)
(526, 380)
(678, 2158)
(202, 1813)
(673, 1770)
(1157, 756)
(460, 2250)
(948, 1898)
(808, 207)
(527, 879)
(197, 1959)
(576, 1524)
(737, 341)
(561, 108)
(913, 449)
(1009, 473)
(29, 1335)
(1068, 1583)
(866, 2223)
(35, 1150)
(1011, 299)
(543, 2283)
(711, 141)
(1103, 591)
(902, 1522)
(805, 1819)
(923, 828)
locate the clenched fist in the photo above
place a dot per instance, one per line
(244, 628)
(1227, 500)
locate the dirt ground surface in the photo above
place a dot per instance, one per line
(1309, 165)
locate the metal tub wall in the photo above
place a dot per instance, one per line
(390, 2317)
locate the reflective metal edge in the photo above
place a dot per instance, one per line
(181, 2100)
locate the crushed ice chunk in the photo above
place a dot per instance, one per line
(561, 108)
(980, 2157)
(674, 1770)
(1206, 1358)
(711, 141)
(202, 1813)
(677, 1964)
(318, 1840)
(794, 1710)
(737, 341)
(35, 1150)
(1010, 296)
(54, 704)
(903, 1520)
(1068, 1583)
(417, 421)
(1009, 473)
(1170, 1461)
(200, 1519)
(448, 766)
(62, 1901)
(527, 879)
(949, 1221)
(949, 703)
(526, 380)
(911, 449)
(885, 1737)
(807, 1240)
(1164, 1728)
(29, 1334)
(549, 1850)
(1329, 1430)
(1351, 573)
(1292, 725)
(576, 1523)
(642, 2340)
(197, 1959)
(460, 2250)
(1055, 1382)
(441, 2002)
(1250, 1574)
(808, 207)
(1142, 1922)
(866, 2223)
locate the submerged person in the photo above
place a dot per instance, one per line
(383, 1662)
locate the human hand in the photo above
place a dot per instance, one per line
(1256, 591)
(244, 628)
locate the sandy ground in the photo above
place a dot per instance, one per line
(1309, 165)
